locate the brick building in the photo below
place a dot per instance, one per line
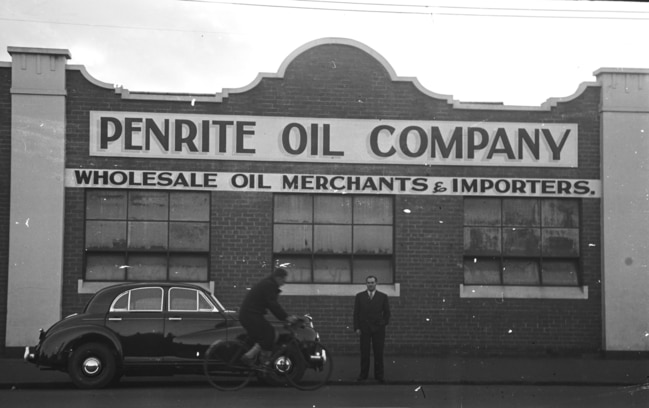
(494, 229)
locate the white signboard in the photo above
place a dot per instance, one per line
(361, 141)
(326, 183)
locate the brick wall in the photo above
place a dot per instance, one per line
(344, 82)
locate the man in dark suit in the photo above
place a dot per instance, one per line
(371, 315)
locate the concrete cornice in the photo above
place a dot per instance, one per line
(42, 51)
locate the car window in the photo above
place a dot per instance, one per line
(140, 300)
(182, 299)
(120, 303)
(145, 299)
(204, 305)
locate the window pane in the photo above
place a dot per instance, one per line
(183, 299)
(523, 212)
(188, 268)
(559, 242)
(560, 213)
(560, 273)
(204, 304)
(106, 205)
(121, 303)
(373, 210)
(292, 238)
(482, 241)
(105, 234)
(147, 235)
(332, 270)
(189, 206)
(189, 236)
(146, 299)
(522, 241)
(375, 240)
(481, 271)
(333, 209)
(333, 239)
(299, 269)
(482, 211)
(105, 267)
(381, 268)
(293, 208)
(148, 205)
(147, 268)
(520, 272)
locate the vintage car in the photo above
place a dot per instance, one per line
(139, 329)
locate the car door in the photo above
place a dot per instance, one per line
(136, 316)
(192, 323)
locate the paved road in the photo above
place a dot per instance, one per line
(196, 395)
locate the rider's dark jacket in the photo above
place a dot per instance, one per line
(263, 296)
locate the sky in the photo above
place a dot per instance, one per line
(520, 52)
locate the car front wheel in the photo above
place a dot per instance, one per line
(92, 365)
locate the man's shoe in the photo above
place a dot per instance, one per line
(381, 380)
(361, 379)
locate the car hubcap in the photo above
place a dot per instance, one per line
(91, 366)
(283, 364)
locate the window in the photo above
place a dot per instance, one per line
(188, 300)
(147, 235)
(334, 238)
(139, 300)
(533, 242)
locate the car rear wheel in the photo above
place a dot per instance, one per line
(92, 365)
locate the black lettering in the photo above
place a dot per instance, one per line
(369, 184)
(165, 179)
(242, 132)
(374, 141)
(334, 183)
(321, 183)
(223, 133)
(162, 136)
(326, 143)
(581, 187)
(506, 149)
(403, 141)
(181, 181)
(564, 187)
(286, 139)
(471, 141)
(188, 140)
(533, 146)
(556, 149)
(307, 182)
(130, 128)
(83, 176)
(548, 187)
(104, 137)
(469, 186)
(386, 183)
(290, 183)
(419, 184)
(454, 143)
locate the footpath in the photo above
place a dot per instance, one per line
(459, 370)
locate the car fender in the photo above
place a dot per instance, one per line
(55, 348)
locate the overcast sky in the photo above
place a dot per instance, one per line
(518, 52)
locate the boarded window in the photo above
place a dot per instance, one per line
(334, 238)
(521, 241)
(147, 235)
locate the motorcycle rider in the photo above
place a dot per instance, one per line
(261, 298)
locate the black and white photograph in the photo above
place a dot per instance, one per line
(314, 203)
